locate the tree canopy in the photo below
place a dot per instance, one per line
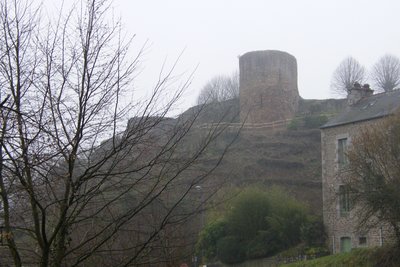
(257, 223)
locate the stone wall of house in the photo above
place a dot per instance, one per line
(336, 225)
(268, 86)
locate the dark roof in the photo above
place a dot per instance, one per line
(369, 108)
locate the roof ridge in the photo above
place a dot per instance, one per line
(371, 107)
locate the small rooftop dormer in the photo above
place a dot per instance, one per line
(357, 93)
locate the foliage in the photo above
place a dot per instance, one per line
(294, 124)
(313, 233)
(365, 257)
(247, 214)
(303, 250)
(262, 222)
(358, 257)
(386, 73)
(208, 238)
(230, 249)
(315, 121)
(316, 252)
(373, 174)
(386, 256)
(308, 122)
(264, 244)
(286, 218)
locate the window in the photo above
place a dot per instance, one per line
(345, 244)
(344, 200)
(362, 241)
(342, 150)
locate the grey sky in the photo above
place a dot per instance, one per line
(215, 32)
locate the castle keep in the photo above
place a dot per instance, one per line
(268, 86)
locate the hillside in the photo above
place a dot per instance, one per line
(271, 156)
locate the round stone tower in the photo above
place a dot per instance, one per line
(268, 86)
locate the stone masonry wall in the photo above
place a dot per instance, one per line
(268, 86)
(336, 225)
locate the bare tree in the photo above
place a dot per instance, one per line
(346, 74)
(220, 88)
(386, 73)
(69, 199)
(373, 174)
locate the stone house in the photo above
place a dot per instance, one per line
(340, 218)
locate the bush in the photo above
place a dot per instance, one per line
(308, 122)
(386, 256)
(257, 224)
(209, 237)
(314, 121)
(294, 124)
(316, 252)
(247, 214)
(230, 250)
(264, 244)
(313, 232)
(287, 218)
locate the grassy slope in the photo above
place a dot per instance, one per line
(358, 257)
(290, 159)
(368, 257)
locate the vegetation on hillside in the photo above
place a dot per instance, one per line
(307, 122)
(258, 223)
(366, 257)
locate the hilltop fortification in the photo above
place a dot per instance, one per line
(268, 86)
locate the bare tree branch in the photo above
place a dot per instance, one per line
(346, 74)
(373, 175)
(386, 73)
(69, 199)
(220, 88)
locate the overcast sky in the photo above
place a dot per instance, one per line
(213, 33)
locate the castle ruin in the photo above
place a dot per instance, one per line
(268, 86)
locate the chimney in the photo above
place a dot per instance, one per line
(357, 93)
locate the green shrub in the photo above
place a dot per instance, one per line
(230, 250)
(209, 237)
(257, 223)
(294, 124)
(313, 232)
(314, 121)
(315, 252)
(264, 244)
(386, 256)
(247, 213)
(287, 218)
(357, 257)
